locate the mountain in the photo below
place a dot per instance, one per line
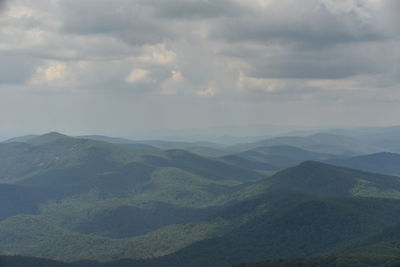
(206, 167)
(166, 145)
(276, 157)
(377, 255)
(324, 179)
(55, 159)
(46, 138)
(321, 179)
(305, 226)
(21, 139)
(198, 147)
(140, 147)
(249, 163)
(108, 139)
(15, 199)
(321, 142)
(307, 210)
(384, 162)
(75, 199)
(382, 138)
(103, 198)
(121, 142)
(18, 261)
(201, 148)
(378, 132)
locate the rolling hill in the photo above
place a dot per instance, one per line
(383, 162)
(307, 210)
(58, 159)
(276, 157)
(80, 199)
(273, 221)
(322, 142)
(328, 180)
(304, 226)
(100, 196)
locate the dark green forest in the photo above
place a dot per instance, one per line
(68, 201)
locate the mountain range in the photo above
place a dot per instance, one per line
(94, 202)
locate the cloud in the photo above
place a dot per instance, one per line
(194, 9)
(137, 75)
(294, 63)
(122, 19)
(156, 55)
(16, 68)
(388, 17)
(322, 39)
(174, 84)
(210, 91)
(218, 61)
(2, 4)
(312, 24)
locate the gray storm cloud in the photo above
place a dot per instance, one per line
(393, 11)
(195, 63)
(122, 19)
(313, 26)
(195, 9)
(2, 3)
(18, 70)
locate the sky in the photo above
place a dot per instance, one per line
(134, 67)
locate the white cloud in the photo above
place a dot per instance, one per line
(176, 76)
(156, 55)
(51, 73)
(137, 75)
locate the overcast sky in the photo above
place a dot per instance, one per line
(127, 67)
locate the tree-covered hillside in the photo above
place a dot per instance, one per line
(75, 199)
